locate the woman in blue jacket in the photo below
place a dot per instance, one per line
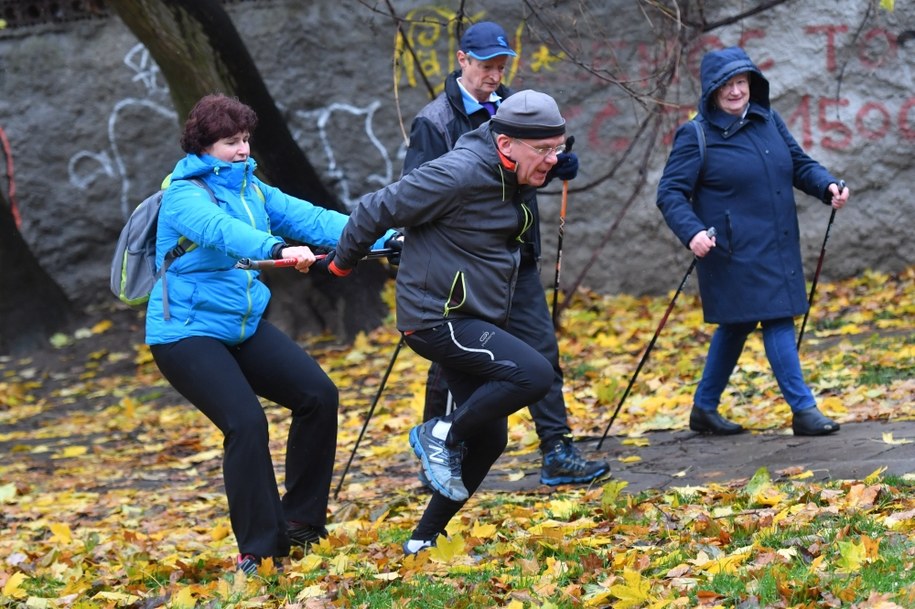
(750, 273)
(208, 337)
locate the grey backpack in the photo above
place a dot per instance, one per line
(133, 266)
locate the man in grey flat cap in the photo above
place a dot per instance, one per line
(464, 215)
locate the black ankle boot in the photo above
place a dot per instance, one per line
(709, 421)
(812, 422)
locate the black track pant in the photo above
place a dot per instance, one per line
(530, 320)
(224, 383)
(491, 374)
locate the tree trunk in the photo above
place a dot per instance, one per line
(32, 307)
(199, 51)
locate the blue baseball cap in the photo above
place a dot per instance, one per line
(485, 40)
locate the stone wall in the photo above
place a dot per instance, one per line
(91, 129)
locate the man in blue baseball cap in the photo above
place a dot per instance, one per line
(471, 96)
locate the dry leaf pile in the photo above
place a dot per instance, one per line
(112, 497)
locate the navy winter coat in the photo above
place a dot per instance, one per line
(745, 191)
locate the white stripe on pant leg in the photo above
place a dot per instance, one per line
(463, 348)
(449, 404)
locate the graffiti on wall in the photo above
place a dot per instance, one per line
(430, 47)
(334, 123)
(815, 117)
(86, 166)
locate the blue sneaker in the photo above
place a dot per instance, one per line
(441, 463)
(563, 464)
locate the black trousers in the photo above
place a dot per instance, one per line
(224, 382)
(491, 374)
(531, 321)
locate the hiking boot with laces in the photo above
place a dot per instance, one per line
(304, 535)
(564, 464)
(441, 463)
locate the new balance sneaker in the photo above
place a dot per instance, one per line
(564, 464)
(305, 535)
(424, 480)
(442, 463)
(247, 563)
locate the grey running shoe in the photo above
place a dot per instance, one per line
(415, 546)
(442, 463)
(563, 464)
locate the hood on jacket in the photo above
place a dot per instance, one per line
(205, 166)
(718, 67)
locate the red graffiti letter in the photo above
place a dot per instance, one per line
(830, 31)
(825, 125)
(884, 44)
(762, 64)
(873, 128)
(802, 114)
(907, 130)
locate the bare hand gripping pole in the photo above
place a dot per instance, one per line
(711, 232)
(249, 264)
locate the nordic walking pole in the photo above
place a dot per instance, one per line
(711, 232)
(816, 275)
(368, 417)
(562, 224)
(249, 264)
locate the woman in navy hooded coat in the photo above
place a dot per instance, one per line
(751, 272)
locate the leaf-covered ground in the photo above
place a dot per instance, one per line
(111, 484)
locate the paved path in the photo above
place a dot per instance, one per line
(684, 458)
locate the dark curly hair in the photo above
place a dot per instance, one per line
(214, 117)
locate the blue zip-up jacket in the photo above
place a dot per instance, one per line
(745, 190)
(207, 296)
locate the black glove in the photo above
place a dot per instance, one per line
(328, 266)
(566, 167)
(395, 244)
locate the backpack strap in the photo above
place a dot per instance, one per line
(178, 251)
(700, 136)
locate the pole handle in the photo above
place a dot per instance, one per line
(249, 264)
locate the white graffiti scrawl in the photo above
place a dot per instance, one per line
(85, 166)
(358, 173)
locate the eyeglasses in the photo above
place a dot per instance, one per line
(544, 150)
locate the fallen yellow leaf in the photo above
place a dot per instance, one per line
(61, 532)
(12, 587)
(888, 439)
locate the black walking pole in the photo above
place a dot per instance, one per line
(711, 232)
(562, 224)
(368, 417)
(816, 275)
